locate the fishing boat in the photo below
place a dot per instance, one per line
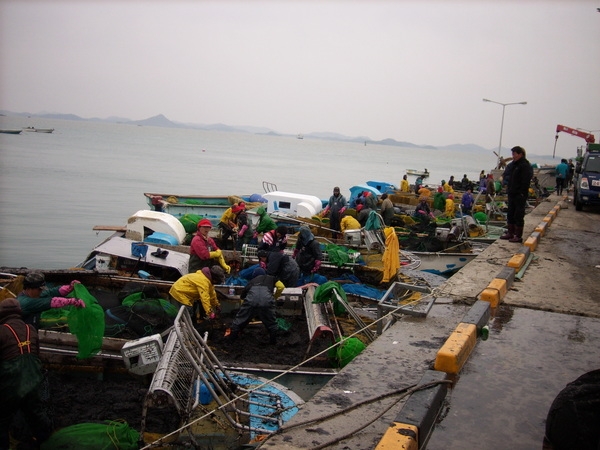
(417, 173)
(39, 130)
(207, 206)
(10, 131)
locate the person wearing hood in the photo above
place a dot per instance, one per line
(274, 240)
(349, 223)
(37, 298)
(198, 287)
(335, 208)
(450, 210)
(447, 187)
(21, 375)
(265, 223)
(307, 252)
(439, 200)
(204, 252)
(259, 301)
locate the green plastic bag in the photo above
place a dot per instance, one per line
(190, 222)
(345, 351)
(94, 436)
(86, 323)
(324, 293)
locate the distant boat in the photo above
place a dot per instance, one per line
(39, 130)
(417, 173)
(11, 131)
(300, 136)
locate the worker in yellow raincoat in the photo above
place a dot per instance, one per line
(349, 223)
(450, 207)
(199, 287)
(391, 256)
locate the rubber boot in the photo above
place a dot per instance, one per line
(510, 232)
(518, 237)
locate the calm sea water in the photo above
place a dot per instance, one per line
(54, 188)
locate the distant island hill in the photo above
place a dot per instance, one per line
(161, 121)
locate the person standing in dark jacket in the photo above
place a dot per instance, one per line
(21, 375)
(335, 208)
(517, 192)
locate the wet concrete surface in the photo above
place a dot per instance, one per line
(545, 334)
(502, 396)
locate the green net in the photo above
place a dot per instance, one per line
(86, 323)
(481, 217)
(339, 255)
(98, 436)
(346, 350)
(190, 222)
(54, 318)
(139, 303)
(324, 293)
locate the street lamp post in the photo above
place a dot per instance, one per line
(504, 105)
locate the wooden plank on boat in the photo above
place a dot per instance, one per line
(110, 228)
(68, 340)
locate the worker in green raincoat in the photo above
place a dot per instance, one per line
(21, 375)
(265, 223)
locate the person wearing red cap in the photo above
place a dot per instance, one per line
(204, 252)
(21, 375)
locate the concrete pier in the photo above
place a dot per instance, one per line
(544, 331)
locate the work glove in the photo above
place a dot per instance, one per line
(342, 210)
(316, 266)
(60, 302)
(243, 230)
(263, 265)
(68, 288)
(212, 315)
(255, 235)
(215, 254)
(295, 253)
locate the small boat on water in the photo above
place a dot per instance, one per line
(10, 131)
(417, 173)
(39, 130)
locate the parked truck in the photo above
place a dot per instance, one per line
(586, 179)
(586, 183)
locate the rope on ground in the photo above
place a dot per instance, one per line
(161, 441)
(403, 392)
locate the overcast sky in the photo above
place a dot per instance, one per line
(413, 71)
